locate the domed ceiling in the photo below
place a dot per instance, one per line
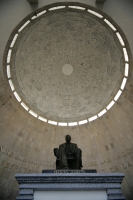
(67, 65)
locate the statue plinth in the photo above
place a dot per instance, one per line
(70, 171)
(70, 183)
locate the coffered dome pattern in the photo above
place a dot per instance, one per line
(67, 37)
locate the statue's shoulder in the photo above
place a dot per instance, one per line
(62, 145)
(73, 144)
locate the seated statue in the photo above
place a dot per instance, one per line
(69, 150)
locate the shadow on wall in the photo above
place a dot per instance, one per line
(99, 5)
(33, 6)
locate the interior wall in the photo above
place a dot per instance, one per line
(26, 144)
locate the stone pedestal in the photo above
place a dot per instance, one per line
(75, 180)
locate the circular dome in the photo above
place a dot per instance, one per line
(67, 64)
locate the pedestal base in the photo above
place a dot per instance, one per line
(75, 182)
(70, 195)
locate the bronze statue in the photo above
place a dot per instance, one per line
(67, 150)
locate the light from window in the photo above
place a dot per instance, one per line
(102, 112)
(9, 55)
(42, 119)
(8, 71)
(56, 8)
(14, 40)
(17, 96)
(126, 69)
(25, 24)
(11, 84)
(109, 24)
(95, 13)
(34, 17)
(72, 124)
(39, 14)
(52, 122)
(125, 54)
(120, 39)
(33, 113)
(24, 106)
(110, 105)
(117, 95)
(82, 122)
(62, 124)
(77, 7)
(123, 83)
(92, 118)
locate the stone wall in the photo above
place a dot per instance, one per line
(26, 144)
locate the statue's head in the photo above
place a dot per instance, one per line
(68, 138)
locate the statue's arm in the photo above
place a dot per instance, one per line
(56, 152)
(76, 146)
